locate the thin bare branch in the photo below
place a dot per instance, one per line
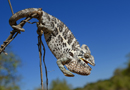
(40, 56)
(11, 7)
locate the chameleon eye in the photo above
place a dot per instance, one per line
(86, 55)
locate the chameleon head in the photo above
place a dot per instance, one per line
(86, 56)
(80, 65)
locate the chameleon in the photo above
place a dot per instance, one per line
(61, 42)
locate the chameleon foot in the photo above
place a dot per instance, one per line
(68, 73)
(18, 28)
(60, 63)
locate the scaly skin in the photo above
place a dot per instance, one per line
(61, 42)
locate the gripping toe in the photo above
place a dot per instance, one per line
(68, 74)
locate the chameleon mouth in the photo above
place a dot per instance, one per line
(87, 63)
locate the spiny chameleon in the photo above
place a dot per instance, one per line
(61, 42)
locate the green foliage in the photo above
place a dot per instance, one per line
(60, 85)
(8, 68)
(119, 81)
(127, 70)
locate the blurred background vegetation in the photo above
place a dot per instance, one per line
(9, 79)
(8, 71)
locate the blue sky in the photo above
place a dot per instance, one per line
(104, 25)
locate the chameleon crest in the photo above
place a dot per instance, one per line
(61, 42)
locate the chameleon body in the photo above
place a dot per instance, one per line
(61, 42)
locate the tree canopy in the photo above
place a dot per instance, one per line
(8, 69)
(60, 85)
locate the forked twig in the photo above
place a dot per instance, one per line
(13, 34)
(40, 43)
(45, 65)
(17, 29)
(40, 56)
(10, 38)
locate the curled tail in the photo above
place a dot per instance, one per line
(25, 13)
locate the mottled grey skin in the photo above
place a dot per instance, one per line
(61, 42)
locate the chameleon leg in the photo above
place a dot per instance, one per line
(60, 63)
